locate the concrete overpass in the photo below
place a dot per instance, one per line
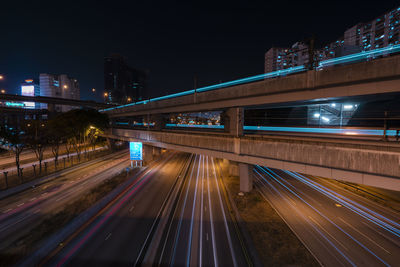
(360, 79)
(374, 163)
(370, 163)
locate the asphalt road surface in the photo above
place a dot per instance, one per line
(175, 213)
(337, 226)
(21, 212)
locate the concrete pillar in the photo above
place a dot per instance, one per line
(159, 122)
(246, 177)
(147, 154)
(234, 121)
(156, 151)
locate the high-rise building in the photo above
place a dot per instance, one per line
(122, 83)
(61, 86)
(30, 88)
(380, 32)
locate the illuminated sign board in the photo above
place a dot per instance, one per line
(15, 105)
(135, 149)
(28, 90)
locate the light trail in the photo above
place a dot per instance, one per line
(353, 58)
(285, 184)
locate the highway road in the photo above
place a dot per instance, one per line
(337, 226)
(22, 212)
(175, 213)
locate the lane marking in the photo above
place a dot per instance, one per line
(363, 235)
(7, 210)
(320, 226)
(211, 219)
(108, 236)
(32, 199)
(19, 205)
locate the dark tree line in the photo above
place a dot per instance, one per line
(74, 130)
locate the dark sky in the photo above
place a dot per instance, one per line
(172, 40)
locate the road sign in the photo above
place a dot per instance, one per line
(135, 149)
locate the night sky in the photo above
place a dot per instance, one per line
(171, 40)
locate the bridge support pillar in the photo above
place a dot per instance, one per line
(246, 177)
(234, 121)
(156, 151)
(147, 154)
(159, 122)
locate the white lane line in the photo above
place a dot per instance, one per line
(32, 199)
(363, 235)
(189, 249)
(131, 209)
(323, 229)
(223, 213)
(58, 199)
(201, 216)
(207, 236)
(108, 236)
(36, 211)
(45, 193)
(7, 210)
(211, 219)
(20, 204)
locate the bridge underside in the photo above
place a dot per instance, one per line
(363, 162)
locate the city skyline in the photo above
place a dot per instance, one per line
(171, 62)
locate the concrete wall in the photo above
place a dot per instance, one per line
(364, 162)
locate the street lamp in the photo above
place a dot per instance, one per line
(3, 91)
(129, 99)
(93, 90)
(1, 77)
(105, 94)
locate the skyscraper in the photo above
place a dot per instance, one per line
(380, 32)
(122, 83)
(61, 86)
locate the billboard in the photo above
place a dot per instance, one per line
(135, 149)
(28, 90)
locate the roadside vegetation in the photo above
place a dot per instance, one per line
(77, 131)
(276, 244)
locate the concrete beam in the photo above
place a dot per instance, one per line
(364, 162)
(234, 121)
(367, 78)
(246, 177)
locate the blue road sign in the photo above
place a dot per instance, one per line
(135, 149)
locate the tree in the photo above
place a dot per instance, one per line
(37, 138)
(78, 124)
(56, 135)
(14, 138)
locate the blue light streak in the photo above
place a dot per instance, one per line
(195, 126)
(321, 130)
(325, 63)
